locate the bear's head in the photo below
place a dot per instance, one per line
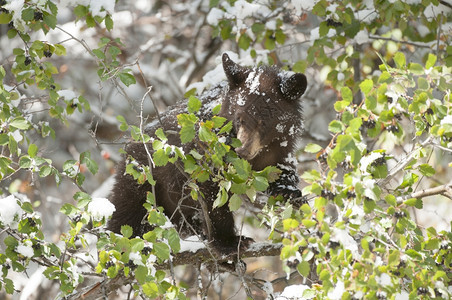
(264, 105)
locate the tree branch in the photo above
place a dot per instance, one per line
(202, 256)
(438, 190)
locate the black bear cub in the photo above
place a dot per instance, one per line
(263, 104)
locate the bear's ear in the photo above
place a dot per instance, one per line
(293, 87)
(235, 73)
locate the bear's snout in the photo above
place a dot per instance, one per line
(251, 144)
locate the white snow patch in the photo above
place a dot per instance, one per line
(361, 37)
(16, 135)
(25, 249)
(241, 100)
(384, 279)
(16, 7)
(366, 15)
(303, 5)
(214, 16)
(10, 211)
(337, 292)
(367, 160)
(280, 127)
(402, 296)
(315, 34)
(412, 2)
(283, 144)
(447, 120)
(101, 208)
(136, 258)
(191, 244)
(346, 240)
(290, 159)
(368, 185)
(96, 7)
(293, 292)
(252, 82)
(67, 94)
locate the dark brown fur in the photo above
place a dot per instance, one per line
(263, 105)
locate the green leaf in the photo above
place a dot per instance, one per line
(366, 86)
(160, 158)
(394, 258)
(161, 250)
(312, 148)
(20, 123)
(85, 158)
(235, 202)
(300, 66)
(187, 134)
(427, 170)
(50, 20)
(151, 289)
(324, 275)
(347, 94)
(32, 150)
(99, 53)
(423, 83)
(399, 59)
(416, 68)
(174, 240)
(432, 244)
(290, 224)
(5, 18)
(244, 41)
(28, 14)
(108, 22)
(68, 209)
(431, 60)
(126, 231)
(369, 205)
(127, 79)
(25, 162)
(309, 223)
(303, 268)
(336, 126)
(260, 183)
(194, 104)
(60, 50)
(205, 134)
(218, 121)
(45, 171)
(391, 200)
(416, 202)
(226, 128)
(243, 168)
(221, 199)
